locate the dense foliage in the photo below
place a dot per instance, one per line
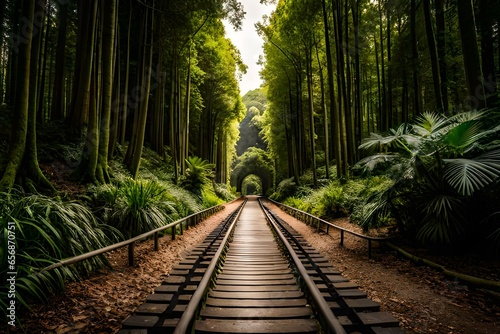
(257, 162)
(446, 172)
(335, 71)
(250, 127)
(158, 73)
(47, 230)
(198, 173)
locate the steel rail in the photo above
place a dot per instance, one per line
(326, 313)
(187, 316)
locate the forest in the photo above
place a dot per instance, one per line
(118, 116)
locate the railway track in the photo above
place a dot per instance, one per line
(255, 274)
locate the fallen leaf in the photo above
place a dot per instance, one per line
(79, 317)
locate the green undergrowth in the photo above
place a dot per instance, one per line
(50, 228)
(37, 231)
(338, 198)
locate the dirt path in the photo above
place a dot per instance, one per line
(420, 298)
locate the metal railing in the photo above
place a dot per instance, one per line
(324, 226)
(181, 224)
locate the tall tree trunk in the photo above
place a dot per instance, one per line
(172, 119)
(441, 51)
(2, 74)
(341, 87)
(157, 136)
(137, 94)
(325, 114)
(219, 160)
(404, 98)
(59, 90)
(390, 107)
(334, 118)
(22, 150)
(417, 95)
(17, 145)
(379, 89)
(124, 111)
(16, 40)
(30, 171)
(292, 155)
(115, 102)
(185, 123)
(41, 110)
(356, 16)
(433, 55)
(146, 83)
(384, 121)
(87, 10)
(310, 95)
(487, 45)
(472, 64)
(349, 127)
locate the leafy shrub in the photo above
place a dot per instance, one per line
(299, 203)
(185, 202)
(286, 188)
(224, 192)
(328, 201)
(338, 198)
(155, 167)
(46, 230)
(198, 173)
(440, 166)
(210, 200)
(142, 207)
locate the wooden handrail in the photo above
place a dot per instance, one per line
(130, 242)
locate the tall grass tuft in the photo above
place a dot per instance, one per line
(142, 207)
(47, 230)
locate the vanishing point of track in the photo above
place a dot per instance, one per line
(255, 274)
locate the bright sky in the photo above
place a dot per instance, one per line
(249, 43)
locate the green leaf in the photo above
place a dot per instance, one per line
(463, 135)
(470, 175)
(429, 123)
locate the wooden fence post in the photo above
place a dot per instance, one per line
(156, 246)
(131, 254)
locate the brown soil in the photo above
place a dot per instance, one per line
(421, 298)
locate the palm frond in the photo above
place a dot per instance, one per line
(462, 136)
(375, 142)
(467, 116)
(373, 211)
(400, 138)
(371, 162)
(429, 123)
(470, 175)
